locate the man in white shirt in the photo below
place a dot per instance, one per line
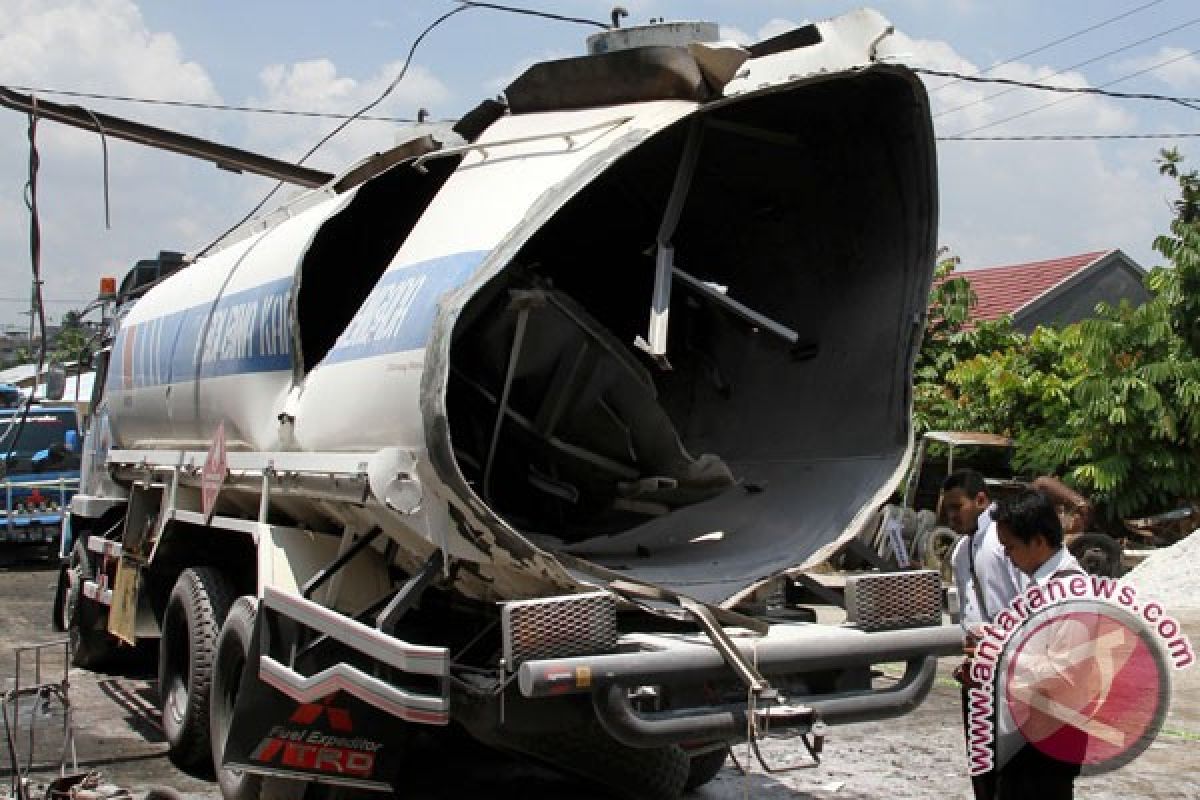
(987, 581)
(1029, 530)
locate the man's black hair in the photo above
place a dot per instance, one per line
(969, 480)
(1029, 514)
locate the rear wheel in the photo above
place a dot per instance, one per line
(91, 645)
(658, 773)
(232, 649)
(195, 610)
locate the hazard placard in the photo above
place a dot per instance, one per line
(212, 477)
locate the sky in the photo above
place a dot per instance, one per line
(1001, 202)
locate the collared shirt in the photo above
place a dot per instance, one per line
(1052, 659)
(999, 580)
(1062, 561)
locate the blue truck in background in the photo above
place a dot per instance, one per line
(40, 470)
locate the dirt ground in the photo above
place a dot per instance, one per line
(917, 756)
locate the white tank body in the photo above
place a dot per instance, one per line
(666, 327)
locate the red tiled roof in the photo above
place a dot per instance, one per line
(1007, 289)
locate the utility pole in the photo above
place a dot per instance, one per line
(35, 312)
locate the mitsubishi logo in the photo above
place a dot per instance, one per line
(308, 713)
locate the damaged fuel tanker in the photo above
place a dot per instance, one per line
(499, 429)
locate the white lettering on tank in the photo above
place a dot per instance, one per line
(383, 316)
(272, 329)
(239, 328)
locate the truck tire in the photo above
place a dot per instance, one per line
(704, 767)
(198, 605)
(58, 615)
(1097, 553)
(229, 661)
(587, 751)
(91, 646)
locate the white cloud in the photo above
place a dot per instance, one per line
(1180, 68)
(775, 27)
(316, 84)
(732, 34)
(498, 83)
(159, 200)
(1011, 202)
(102, 46)
(771, 28)
(1008, 202)
(1000, 202)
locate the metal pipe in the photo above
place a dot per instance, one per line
(329, 571)
(895, 701)
(683, 662)
(631, 727)
(634, 728)
(223, 156)
(514, 356)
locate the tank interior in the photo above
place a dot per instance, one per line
(801, 263)
(354, 247)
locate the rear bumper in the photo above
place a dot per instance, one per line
(786, 650)
(30, 531)
(626, 724)
(689, 659)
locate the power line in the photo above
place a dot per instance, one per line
(1083, 63)
(342, 126)
(1058, 41)
(533, 13)
(296, 112)
(1097, 90)
(204, 106)
(1068, 137)
(59, 302)
(1185, 102)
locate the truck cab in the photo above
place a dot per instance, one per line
(39, 444)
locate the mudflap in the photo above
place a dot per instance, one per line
(337, 739)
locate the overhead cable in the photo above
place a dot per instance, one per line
(1068, 137)
(206, 106)
(534, 13)
(1097, 90)
(1058, 41)
(1076, 65)
(391, 86)
(1185, 102)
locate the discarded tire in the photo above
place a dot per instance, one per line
(942, 542)
(195, 610)
(1097, 553)
(229, 661)
(91, 645)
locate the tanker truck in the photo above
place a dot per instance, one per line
(492, 433)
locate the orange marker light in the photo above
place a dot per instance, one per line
(108, 287)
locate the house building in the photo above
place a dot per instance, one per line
(1055, 292)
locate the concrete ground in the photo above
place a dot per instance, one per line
(917, 756)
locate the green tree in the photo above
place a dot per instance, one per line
(1134, 441)
(1112, 404)
(71, 342)
(951, 341)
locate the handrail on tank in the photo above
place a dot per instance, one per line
(482, 147)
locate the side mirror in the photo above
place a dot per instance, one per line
(71, 441)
